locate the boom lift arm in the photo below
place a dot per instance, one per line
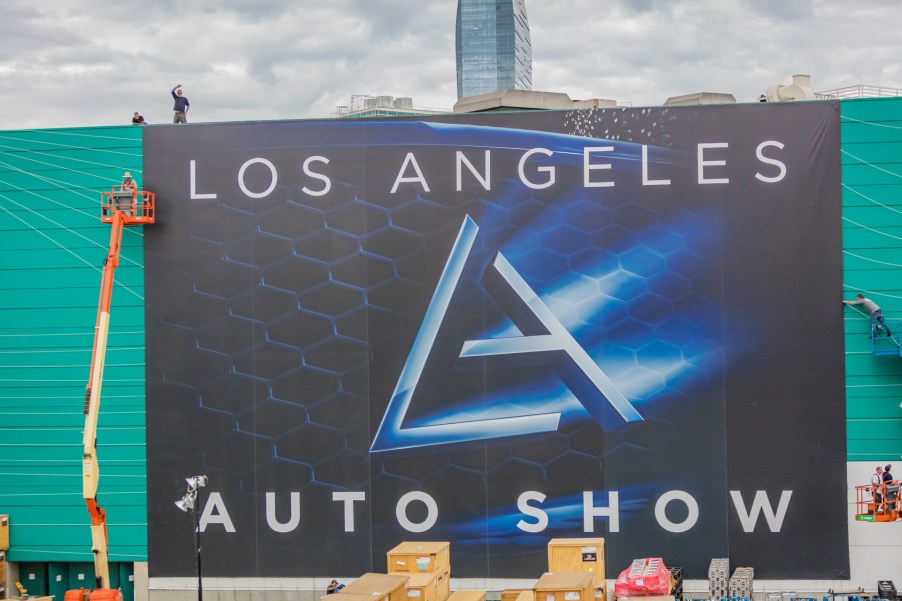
(119, 209)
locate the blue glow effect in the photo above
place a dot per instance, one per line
(391, 434)
(557, 339)
(610, 317)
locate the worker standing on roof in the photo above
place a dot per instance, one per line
(876, 315)
(181, 105)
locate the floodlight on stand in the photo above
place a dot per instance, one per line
(196, 481)
(191, 503)
(186, 503)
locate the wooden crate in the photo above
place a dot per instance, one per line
(571, 586)
(517, 594)
(578, 555)
(443, 586)
(4, 533)
(467, 596)
(420, 557)
(352, 597)
(422, 587)
(392, 586)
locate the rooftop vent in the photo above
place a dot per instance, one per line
(800, 89)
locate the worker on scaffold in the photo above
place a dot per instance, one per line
(873, 309)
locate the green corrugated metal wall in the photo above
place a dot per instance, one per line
(872, 245)
(52, 248)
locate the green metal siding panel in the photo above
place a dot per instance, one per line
(33, 576)
(871, 407)
(873, 449)
(105, 142)
(872, 110)
(875, 259)
(67, 362)
(874, 367)
(127, 581)
(870, 393)
(869, 428)
(57, 580)
(81, 575)
(861, 174)
(78, 159)
(872, 243)
(66, 279)
(887, 153)
(31, 319)
(111, 437)
(887, 218)
(52, 248)
(49, 533)
(871, 121)
(23, 298)
(864, 196)
(91, 179)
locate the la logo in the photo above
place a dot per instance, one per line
(544, 336)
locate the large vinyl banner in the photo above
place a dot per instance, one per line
(495, 330)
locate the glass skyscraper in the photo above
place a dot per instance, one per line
(494, 51)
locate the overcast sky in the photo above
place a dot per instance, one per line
(94, 62)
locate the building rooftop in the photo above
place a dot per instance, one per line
(859, 91)
(525, 100)
(364, 105)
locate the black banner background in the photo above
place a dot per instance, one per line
(277, 328)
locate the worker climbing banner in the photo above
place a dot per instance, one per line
(496, 330)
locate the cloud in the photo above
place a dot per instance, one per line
(96, 62)
(644, 52)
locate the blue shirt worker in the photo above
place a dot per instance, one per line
(873, 309)
(181, 105)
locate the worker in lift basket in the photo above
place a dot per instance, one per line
(876, 488)
(128, 184)
(127, 194)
